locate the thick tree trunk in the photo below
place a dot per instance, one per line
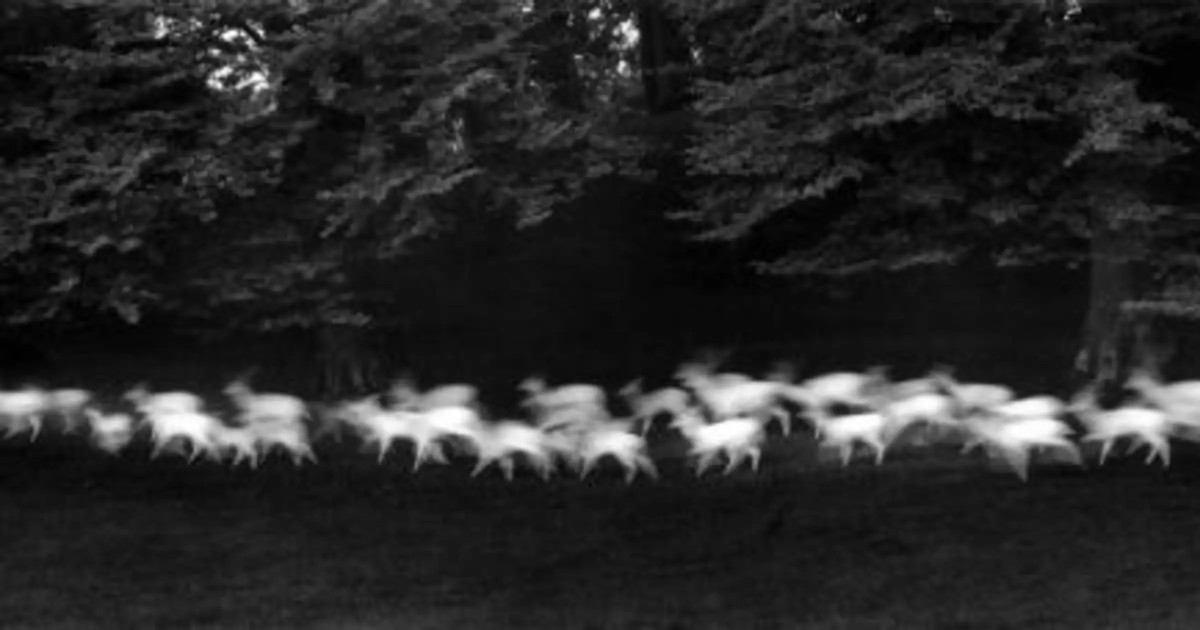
(1113, 340)
(557, 37)
(665, 58)
(347, 364)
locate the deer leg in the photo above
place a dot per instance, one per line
(1104, 449)
(506, 465)
(735, 458)
(647, 466)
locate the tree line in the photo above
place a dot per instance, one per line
(268, 164)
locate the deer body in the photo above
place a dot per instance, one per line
(737, 438)
(23, 409)
(197, 429)
(614, 440)
(844, 432)
(505, 439)
(109, 432)
(1180, 400)
(761, 400)
(1016, 437)
(1145, 425)
(254, 407)
(69, 404)
(1021, 409)
(648, 406)
(840, 388)
(163, 402)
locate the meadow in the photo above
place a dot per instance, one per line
(928, 540)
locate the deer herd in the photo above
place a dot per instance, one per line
(721, 416)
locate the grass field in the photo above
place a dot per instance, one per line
(926, 541)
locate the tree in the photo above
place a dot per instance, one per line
(259, 165)
(844, 138)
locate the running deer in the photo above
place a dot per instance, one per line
(22, 410)
(149, 403)
(1015, 438)
(971, 396)
(1180, 400)
(849, 389)
(68, 404)
(844, 432)
(503, 440)
(761, 400)
(647, 407)
(574, 407)
(1021, 409)
(1144, 425)
(194, 428)
(405, 395)
(385, 427)
(253, 407)
(738, 439)
(109, 432)
(614, 440)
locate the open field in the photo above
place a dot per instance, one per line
(926, 541)
(929, 540)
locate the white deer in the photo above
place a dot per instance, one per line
(852, 389)
(241, 441)
(255, 407)
(463, 423)
(22, 410)
(292, 438)
(68, 404)
(843, 432)
(971, 396)
(1180, 400)
(163, 402)
(1015, 438)
(762, 400)
(1020, 409)
(614, 440)
(505, 439)
(929, 408)
(738, 439)
(385, 427)
(109, 432)
(333, 420)
(425, 429)
(1144, 425)
(649, 406)
(194, 428)
(407, 397)
(707, 368)
(541, 399)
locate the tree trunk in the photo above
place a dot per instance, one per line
(347, 363)
(665, 58)
(556, 40)
(1112, 338)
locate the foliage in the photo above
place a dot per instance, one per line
(911, 133)
(247, 161)
(278, 163)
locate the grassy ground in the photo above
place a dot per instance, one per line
(926, 541)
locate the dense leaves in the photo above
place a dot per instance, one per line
(247, 159)
(935, 132)
(280, 163)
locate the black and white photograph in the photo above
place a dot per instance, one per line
(600, 314)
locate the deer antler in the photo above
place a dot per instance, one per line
(245, 375)
(713, 357)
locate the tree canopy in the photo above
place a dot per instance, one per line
(251, 164)
(936, 133)
(255, 159)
